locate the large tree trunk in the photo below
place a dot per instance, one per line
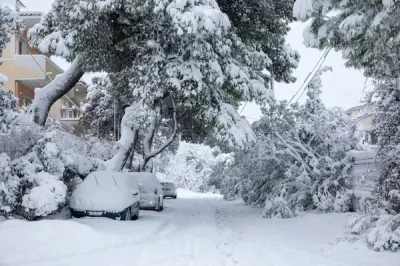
(48, 95)
(132, 155)
(147, 153)
(126, 142)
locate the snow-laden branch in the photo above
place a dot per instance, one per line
(148, 155)
(292, 152)
(45, 97)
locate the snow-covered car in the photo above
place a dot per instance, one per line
(106, 194)
(150, 190)
(169, 189)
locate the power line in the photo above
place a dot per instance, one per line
(319, 67)
(243, 107)
(322, 58)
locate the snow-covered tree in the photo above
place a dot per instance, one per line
(366, 32)
(100, 108)
(181, 39)
(10, 23)
(267, 32)
(190, 167)
(386, 124)
(299, 161)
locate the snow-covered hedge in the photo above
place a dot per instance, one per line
(39, 167)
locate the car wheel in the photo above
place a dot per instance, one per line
(136, 216)
(158, 208)
(175, 197)
(128, 214)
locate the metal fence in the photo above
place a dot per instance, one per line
(365, 169)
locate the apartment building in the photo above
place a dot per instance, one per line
(27, 69)
(363, 115)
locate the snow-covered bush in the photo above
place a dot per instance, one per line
(277, 208)
(8, 107)
(40, 173)
(45, 196)
(382, 232)
(9, 185)
(386, 234)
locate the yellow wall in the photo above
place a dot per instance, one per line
(23, 67)
(23, 92)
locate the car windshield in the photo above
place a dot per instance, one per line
(167, 184)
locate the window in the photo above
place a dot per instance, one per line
(69, 113)
(22, 48)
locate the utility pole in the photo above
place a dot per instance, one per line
(115, 122)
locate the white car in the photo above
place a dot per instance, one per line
(169, 189)
(106, 194)
(150, 190)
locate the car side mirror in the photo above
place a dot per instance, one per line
(135, 193)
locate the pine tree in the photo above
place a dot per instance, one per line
(366, 32)
(177, 42)
(386, 124)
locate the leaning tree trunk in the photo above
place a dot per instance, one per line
(48, 95)
(126, 143)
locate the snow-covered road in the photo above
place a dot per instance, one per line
(190, 231)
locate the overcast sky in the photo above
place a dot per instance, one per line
(342, 87)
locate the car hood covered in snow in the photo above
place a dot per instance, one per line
(104, 191)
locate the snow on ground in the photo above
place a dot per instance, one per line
(187, 194)
(192, 230)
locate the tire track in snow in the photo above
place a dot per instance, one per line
(230, 236)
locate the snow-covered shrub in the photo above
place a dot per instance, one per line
(359, 224)
(40, 173)
(21, 137)
(8, 107)
(100, 149)
(277, 208)
(381, 232)
(9, 185)
(386, 234)
(45, 196)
